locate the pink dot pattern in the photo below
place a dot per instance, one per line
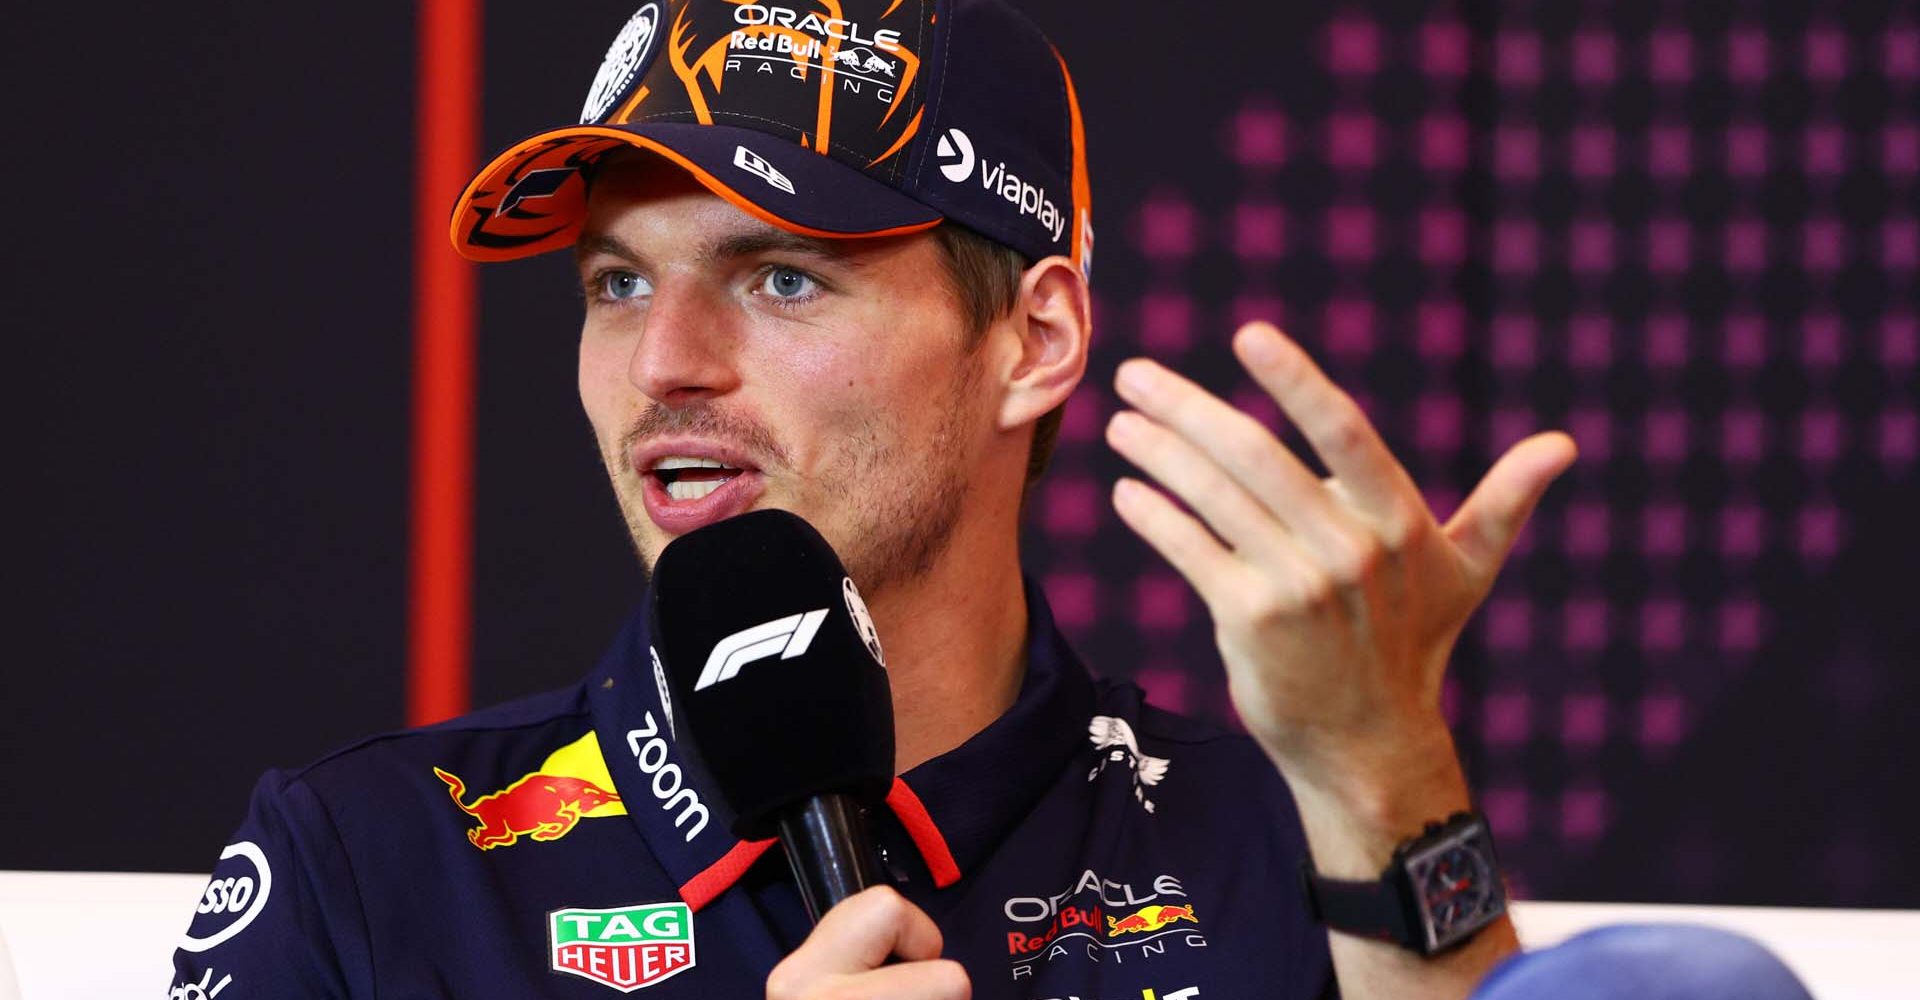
(1566, 220)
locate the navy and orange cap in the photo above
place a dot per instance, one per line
(830, 118)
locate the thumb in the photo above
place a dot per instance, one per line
(1484, 527)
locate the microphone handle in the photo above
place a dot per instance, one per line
(831, 849)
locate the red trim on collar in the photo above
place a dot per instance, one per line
(720, 876)
(926, 836)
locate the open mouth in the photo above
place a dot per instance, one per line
(692, 478)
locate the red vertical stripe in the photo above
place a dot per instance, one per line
(925, 833)
(446, 124)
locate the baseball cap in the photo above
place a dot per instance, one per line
(829, 118)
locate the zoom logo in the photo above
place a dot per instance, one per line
(955, 145)
(669, 782)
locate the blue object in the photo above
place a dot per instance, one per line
(1646, 962)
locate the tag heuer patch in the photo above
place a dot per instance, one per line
(625, 947)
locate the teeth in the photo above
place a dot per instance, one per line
(678, 462)
(683, 490)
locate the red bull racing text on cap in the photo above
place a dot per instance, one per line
(835, 118)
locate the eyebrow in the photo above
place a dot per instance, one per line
(593, 243)
(731, 247)
(770, 239)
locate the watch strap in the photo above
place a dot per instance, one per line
(1374, 909)
(1391, 908)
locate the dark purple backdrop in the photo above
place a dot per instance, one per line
(1686, 235)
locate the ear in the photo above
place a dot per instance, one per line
(1051, 324)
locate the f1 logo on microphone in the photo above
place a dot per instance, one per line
(789, 637)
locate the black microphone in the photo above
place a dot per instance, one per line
(778, 675)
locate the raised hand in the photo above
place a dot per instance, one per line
(1337, 602)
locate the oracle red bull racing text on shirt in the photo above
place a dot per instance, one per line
(480, 858)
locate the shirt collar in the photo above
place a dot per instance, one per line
(667, 791)
(977, 792)
(958, 806)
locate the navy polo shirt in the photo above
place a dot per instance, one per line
(1084, 845)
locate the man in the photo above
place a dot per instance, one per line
(835, 260)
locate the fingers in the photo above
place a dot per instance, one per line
(1242, 521)
(1179, 539)
(1491, 518)
(939, 979)
(1334, 425)
(936, 979)
(845, 955)
(873, 926)
(1247, 452)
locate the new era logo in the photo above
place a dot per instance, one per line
(789, 637)
(752, 162)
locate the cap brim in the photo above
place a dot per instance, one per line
(533, 197)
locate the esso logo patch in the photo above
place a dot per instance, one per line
(233, 898)
(227, 895)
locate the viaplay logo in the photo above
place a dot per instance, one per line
(954, 146)
(958, 159)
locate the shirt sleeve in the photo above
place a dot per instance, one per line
(280, 917)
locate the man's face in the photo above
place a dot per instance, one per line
(832, 378)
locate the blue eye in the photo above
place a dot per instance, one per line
(788, 283)
(620, 286)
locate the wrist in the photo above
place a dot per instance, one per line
(1358, 803)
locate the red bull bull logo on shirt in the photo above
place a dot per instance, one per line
(572, 784)
(1076, 924)
(1149, 918)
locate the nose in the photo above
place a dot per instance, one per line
(686, 351)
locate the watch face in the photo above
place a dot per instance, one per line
(1455, 885)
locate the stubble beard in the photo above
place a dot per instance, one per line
(899, 534)
(887, 536)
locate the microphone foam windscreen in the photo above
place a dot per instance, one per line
(775, 666)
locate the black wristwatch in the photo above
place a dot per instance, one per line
(1440, 888)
